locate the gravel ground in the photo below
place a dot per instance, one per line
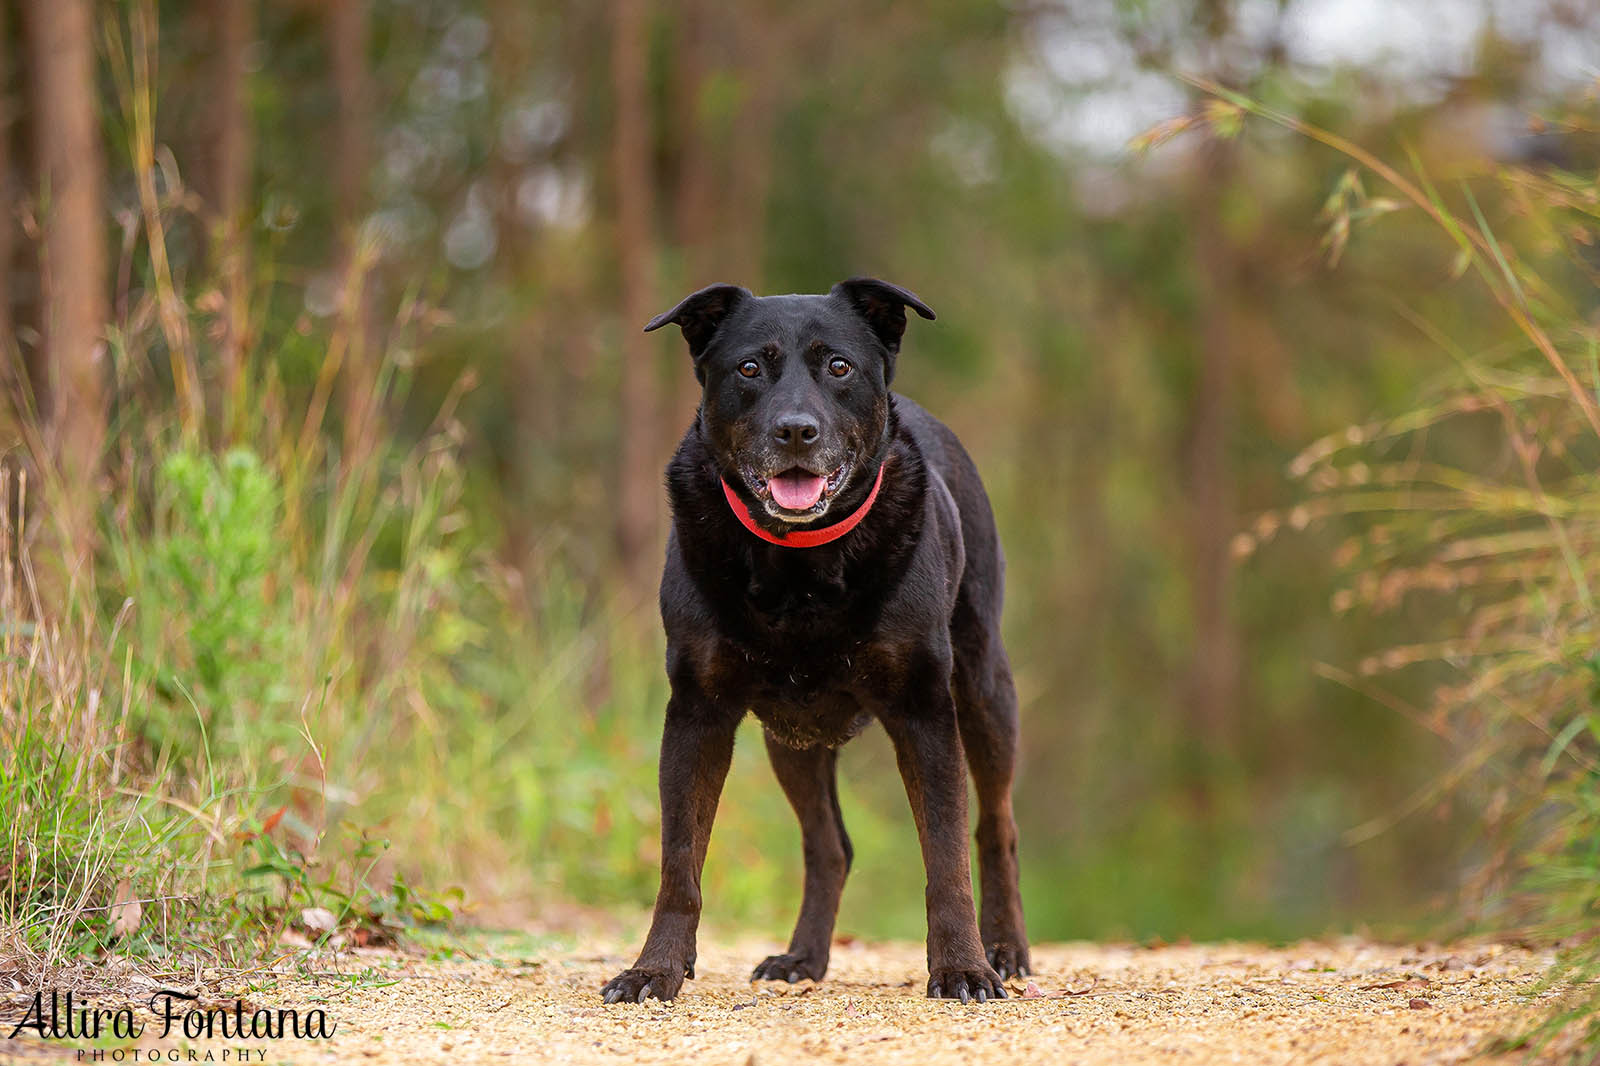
(1336, 1002)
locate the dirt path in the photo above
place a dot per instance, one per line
(1341, 1002)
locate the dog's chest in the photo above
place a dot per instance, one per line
(800, 647)
(829, 726)
(821, 692)
(788, 594)
(802, 708)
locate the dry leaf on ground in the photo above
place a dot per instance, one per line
(126, 911)
(319, 919)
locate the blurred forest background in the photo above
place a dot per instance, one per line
(335, 445)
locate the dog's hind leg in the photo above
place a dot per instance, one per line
(809, 779)
(986, 711)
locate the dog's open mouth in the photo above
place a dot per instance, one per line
(797, 493)
(797, 490)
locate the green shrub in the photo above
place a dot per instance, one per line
(212, 634)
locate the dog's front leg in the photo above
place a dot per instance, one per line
(696, 747)
(927, 747)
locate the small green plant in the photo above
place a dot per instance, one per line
(204, 583)
(291, 888)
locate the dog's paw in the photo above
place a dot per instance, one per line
(789, 968)
(965, 984)
(1009, 961)
(637, 985)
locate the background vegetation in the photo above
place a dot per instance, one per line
(332, 506)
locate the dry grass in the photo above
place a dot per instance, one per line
(1481, 506)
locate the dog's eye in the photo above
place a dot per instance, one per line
(839, 367)
(749, 368)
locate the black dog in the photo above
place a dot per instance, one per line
(833, 559)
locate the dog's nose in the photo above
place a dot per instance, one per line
(795, 430)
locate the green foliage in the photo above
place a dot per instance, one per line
(66, 841)
(51, 836)
(199, 584)
(325, 902)
(215, 554)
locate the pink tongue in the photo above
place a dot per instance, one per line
(797, 490)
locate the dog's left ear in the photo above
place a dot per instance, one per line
(884, 307)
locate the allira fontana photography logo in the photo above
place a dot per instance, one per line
(170, 1015)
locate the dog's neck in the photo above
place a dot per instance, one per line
(805, 538)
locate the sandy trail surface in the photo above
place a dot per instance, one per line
(1344, 1001)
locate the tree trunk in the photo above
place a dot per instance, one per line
(1211, 685)
(724, 175)
(532, 374)
(766, 35)
(694, 201)
(348, 29)
(511, 56)
(226, 179)
(12, 392)
(71, 175)
(352, 85)
(637, 476)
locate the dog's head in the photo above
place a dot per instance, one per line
(796, 388)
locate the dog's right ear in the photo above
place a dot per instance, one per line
(701, 313)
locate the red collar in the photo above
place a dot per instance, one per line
(804, 538)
